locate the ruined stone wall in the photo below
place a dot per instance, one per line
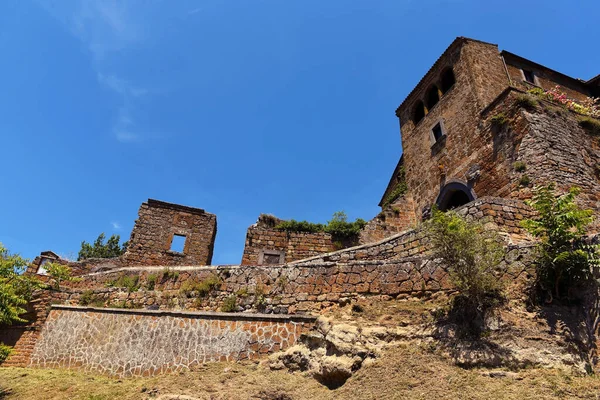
(153, 233)
(545, 78)
(266, 245)
(396, 218)
(144, 343)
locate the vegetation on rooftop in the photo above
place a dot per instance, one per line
(590, 106)
(338, 226)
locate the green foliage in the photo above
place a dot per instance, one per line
(471, 254)
(519, 166)
(229, 304)
(590, 124)
(151, 281)
(99, 249)
(563, 259)
(131, 283)
(5, 351)
(169, 273)
(527, 102)
(499, 120)
(58, 273)
(88, 298)
(536, 91)
(15, 288)
(300, 226)
(400, 189)
(202, 288)
(524, 180)
(338, 226)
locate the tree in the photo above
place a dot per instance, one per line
(470, 253)
(15, 288)
(563, 258)
(100, 249)
(58, 273)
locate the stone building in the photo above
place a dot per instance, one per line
(468, 131)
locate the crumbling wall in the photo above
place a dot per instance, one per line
(144, 343)
(396, 218)
(158, 223)
(268, 246)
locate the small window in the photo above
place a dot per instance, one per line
(448, 80)
(42, 268)
(433, 97)
(178, 243)
(419, 112)
(437, 132)
(529, 76)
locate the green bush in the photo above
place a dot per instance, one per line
(338, 226)
(563, 259)
(524, 180)
(131, 283)
(537, 91)
(499, 120)
(229, 304)
(89, 298)
(527, 102)
(590, 124)
(58, 273)
(398, 191)
(169, 274)
(151, 281)
(470, 253)
(519, 166)
(5, 351)
(202, 288)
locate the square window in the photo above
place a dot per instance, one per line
(437, 132)
(42, 269)
(529, 76)
(178, 243)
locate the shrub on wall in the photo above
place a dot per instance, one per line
(470, 254)
(338, 226)
(563, 260)
(398, 191)
(229, 304)
(5, 351)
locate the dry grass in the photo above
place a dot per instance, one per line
(403, 373)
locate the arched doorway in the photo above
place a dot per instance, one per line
(454, 195)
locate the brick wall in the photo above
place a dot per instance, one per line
(144, 343)
(266, 245)
(158, 222)
(396, 218)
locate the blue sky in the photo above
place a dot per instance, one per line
(239, 107)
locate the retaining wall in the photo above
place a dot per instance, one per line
(144, 343)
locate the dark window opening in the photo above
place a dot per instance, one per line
(447, 80)
(419, 112)
(433, 97)
(178, 243)
(529, 76)
(437, 132)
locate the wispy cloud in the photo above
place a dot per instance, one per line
(194, 11)
(106, 28)
(115, 225)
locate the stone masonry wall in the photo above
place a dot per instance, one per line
(144, 343)
(393, 219)
(266, 245)
(158, 222)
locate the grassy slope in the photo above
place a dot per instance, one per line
(403, 373)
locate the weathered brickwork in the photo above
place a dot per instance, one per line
(396, 218)
(474, 157)
(266, 245)
(144, 343)
(154, 231)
